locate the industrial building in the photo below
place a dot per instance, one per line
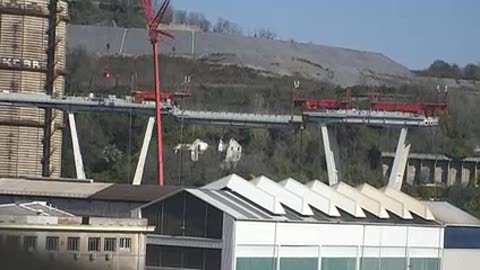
(24, 31)
(44, 231)
(237, 224)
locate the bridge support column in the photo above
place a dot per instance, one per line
(137, 180)
(330, 158)
(80, 170)
(399, 163)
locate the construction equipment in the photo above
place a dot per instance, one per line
(422, 109)
(376, 104)
(154, 34)
(141, 96)
(311, 105)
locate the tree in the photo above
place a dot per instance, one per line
(267, 33)
(180, 17)
(198, 19)
(84, 12)
(224, 26)
(472, 72)
(442, 69)
(456, 72)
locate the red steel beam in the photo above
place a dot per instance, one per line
(158, 109)
(154, 34)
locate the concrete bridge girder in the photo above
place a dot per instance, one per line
(429, 169)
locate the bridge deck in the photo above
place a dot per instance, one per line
(117, 105)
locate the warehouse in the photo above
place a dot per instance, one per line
(237, 224)
(233, 223)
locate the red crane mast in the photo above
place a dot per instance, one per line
(153, 22)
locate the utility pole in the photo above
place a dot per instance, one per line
(296, 86)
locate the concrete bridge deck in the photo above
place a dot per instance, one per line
(112, 104)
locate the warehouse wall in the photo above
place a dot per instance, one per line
(261, 245)
(462, 248)
(464, 259)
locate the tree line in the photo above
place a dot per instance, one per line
(129, 13)
(442, 69)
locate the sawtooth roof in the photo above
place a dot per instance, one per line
(238, 198)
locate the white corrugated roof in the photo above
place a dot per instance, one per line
(451, 215)
(316, 200)
(291, 200)
(391, 204)
(371, 205)
(249, 191)
(343, 202)
(412, 204)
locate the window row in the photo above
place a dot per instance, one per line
(339, 263)
(169, 257)
(52, 243)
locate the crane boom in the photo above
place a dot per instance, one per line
(154, 34)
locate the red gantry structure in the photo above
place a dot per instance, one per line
(312, 105)
(419, 108)
(141, 96)
(377, 104)
(154, 34)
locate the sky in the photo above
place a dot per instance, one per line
(412, 32)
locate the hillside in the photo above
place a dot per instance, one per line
(340, 66)
(111, 143)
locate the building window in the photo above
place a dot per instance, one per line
(73, 243)
(168, 257)
(125, 244)
(94, 244)
(30, 243)
(110, 244)
(12, 241)
(51, 243)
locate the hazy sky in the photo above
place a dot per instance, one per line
(412, 32)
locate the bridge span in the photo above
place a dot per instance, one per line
(112, 104)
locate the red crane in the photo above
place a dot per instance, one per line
(154, 33)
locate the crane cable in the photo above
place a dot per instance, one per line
(130, 144)
(180, 157)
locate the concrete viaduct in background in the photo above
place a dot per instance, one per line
(435, 170)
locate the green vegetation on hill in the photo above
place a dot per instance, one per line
(123, 13)
(107, 12)
(442, 69)
(111, 143)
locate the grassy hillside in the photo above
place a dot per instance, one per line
(110, 143)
